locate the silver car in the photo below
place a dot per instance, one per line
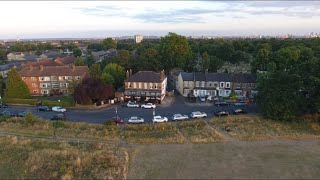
(135, 119)
(132, 104)
(198, 114)
(177, 117)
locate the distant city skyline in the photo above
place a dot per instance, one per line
(97, 19)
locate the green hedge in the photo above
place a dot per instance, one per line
(35, 101)
(20, 101)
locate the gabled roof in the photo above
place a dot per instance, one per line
(244, 78)
(46, 62)
(199, 76)
(54, 71)
(31, 57)
(66, 60)
(145, 76)
(187, 76)
(219, 77)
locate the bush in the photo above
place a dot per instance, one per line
(58, 124)
(109, 123)
(30, 119)
(56, 103)
(20, 101)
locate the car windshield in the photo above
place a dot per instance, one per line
(134, 117)
(177, 115)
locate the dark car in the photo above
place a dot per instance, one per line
(221, 113)
(20, 114)
(43, 108)
(3, 106)
(118, 120)
(59, 117)
(239, 111)
(221, 104)
(7, 113)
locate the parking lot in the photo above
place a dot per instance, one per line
(170, 106)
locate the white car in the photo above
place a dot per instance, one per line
(157, 119)
(202, 99)
(148, 106)
(58, 109)
(135, 119)
(198, 114)
(132, 104)
(177, 117)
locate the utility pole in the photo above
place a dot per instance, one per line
(117, 113)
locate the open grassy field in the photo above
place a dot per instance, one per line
(165, 133)
(227, 160)
(246, 127)
(199, 132)
(37, 159)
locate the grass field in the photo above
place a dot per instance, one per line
(29, 159)
(255, 128)
(199, 132)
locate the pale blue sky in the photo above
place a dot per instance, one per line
(111, 18)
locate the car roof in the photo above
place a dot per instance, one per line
(177, 114)
(157, 117)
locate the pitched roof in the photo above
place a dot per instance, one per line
(46, 62)
(6, 67)
(66, 60)
(31, 57)
(224, 77)
(54, 71)
(187, 76)
(244, 78)
(199, 76)
(145, 76)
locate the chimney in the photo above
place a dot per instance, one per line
(130, 73)
(41, 67)
(31, 67)
(162, 75)
(127, 74)
(73, 67)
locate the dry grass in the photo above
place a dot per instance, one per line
(70, 130)
(164, 133)
(255, 128)
(29, 159)
(199, 132)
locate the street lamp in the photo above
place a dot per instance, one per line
(154, 112)
(117, 113)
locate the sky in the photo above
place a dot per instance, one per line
(97, 19)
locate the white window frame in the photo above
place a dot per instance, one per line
(34, 85)
(33, 78)
(77, 78)
(140, 85)
(134, 85)
(222, 84)
(227, 84)
(129, 85)
(150, 86)
(35, 91)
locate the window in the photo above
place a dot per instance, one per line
(197, 83)
(140, 85)
(35, 91)
(202, 83)
(44, 78)
(24, 78)
(222, 84)
(238, 86)
(145, 85)
(185, 84)
(155, 85)
(34, 85)
(227, 85)
(134, 85)
(44, 92)
(33, 78)
(129, 85)
(254, 85)
(63, 85)
(215, 84)
(77, 77)
(150, 85)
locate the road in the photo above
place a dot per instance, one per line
(174, 105)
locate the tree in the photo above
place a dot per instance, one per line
(262, 59)
(205, 61)
(107, 78)
(174, 51)
(77, 52)
(92, 91)
(16, 87)
(95, 71)
(215, 64)
(117, 72)
(124, 57)
(90, 60)
(109, 43)
(2, 55)
(240, 56)
(80, 62)
(148, 60)
(2, 86)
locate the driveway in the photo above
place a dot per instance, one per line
(170, 106)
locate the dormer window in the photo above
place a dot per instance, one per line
(155, 85)
(129, 85)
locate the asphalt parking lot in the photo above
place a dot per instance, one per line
(171, 105)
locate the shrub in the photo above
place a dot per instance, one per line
(109, 123)
(58, 124)
(30, 119)
(56, 103)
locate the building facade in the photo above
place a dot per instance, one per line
(215, 84)
(145, 85)
(138, 38)
(52, 80)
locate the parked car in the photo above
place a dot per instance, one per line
(59, 117)
(198, 114)
(202, 99)
(58, 109)
(43, 108)
(221, 113)
(132, 104)
(157, 119)
(221, 104)
(239, 111)
(148, 106)
(7, 113)
(135, 119)
(177, 117)
(118, 120)
(3, 106)
(21, 114)
(241, 103)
